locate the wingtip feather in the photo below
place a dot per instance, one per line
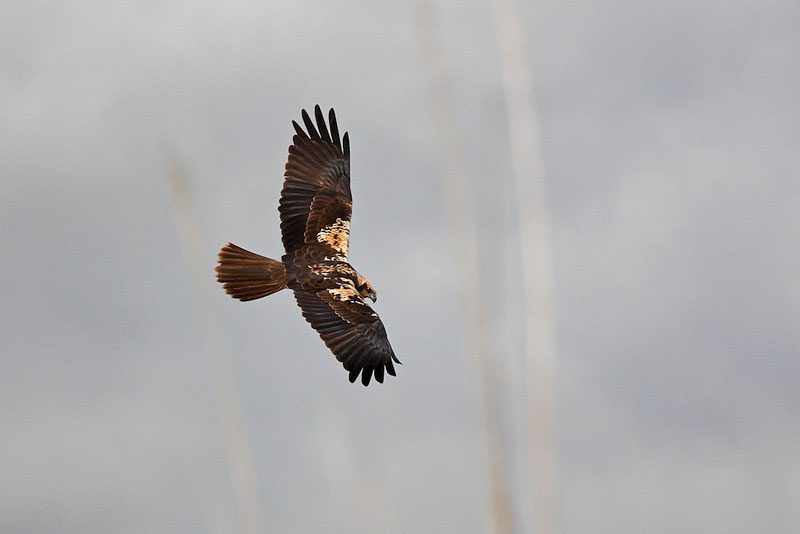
(366, 375)
(323, 130)
(300, 132)
(312, 131)
(334, 129)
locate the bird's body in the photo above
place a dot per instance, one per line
(315, 208)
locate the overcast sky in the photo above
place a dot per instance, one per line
(670, 135)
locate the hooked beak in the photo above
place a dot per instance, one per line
(373, 296)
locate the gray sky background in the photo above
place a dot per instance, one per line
(670, 134)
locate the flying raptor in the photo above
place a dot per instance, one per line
(315, 208)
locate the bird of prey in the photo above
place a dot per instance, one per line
(315, 209)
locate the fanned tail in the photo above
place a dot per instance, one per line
(249, 276)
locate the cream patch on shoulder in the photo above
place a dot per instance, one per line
(344, 293)
(336, 235)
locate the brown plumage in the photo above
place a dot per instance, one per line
(315, 208)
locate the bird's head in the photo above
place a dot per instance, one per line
(366, 290)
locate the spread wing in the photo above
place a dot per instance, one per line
(316, 202)
(350, 328)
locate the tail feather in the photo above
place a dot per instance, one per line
(249, 276)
